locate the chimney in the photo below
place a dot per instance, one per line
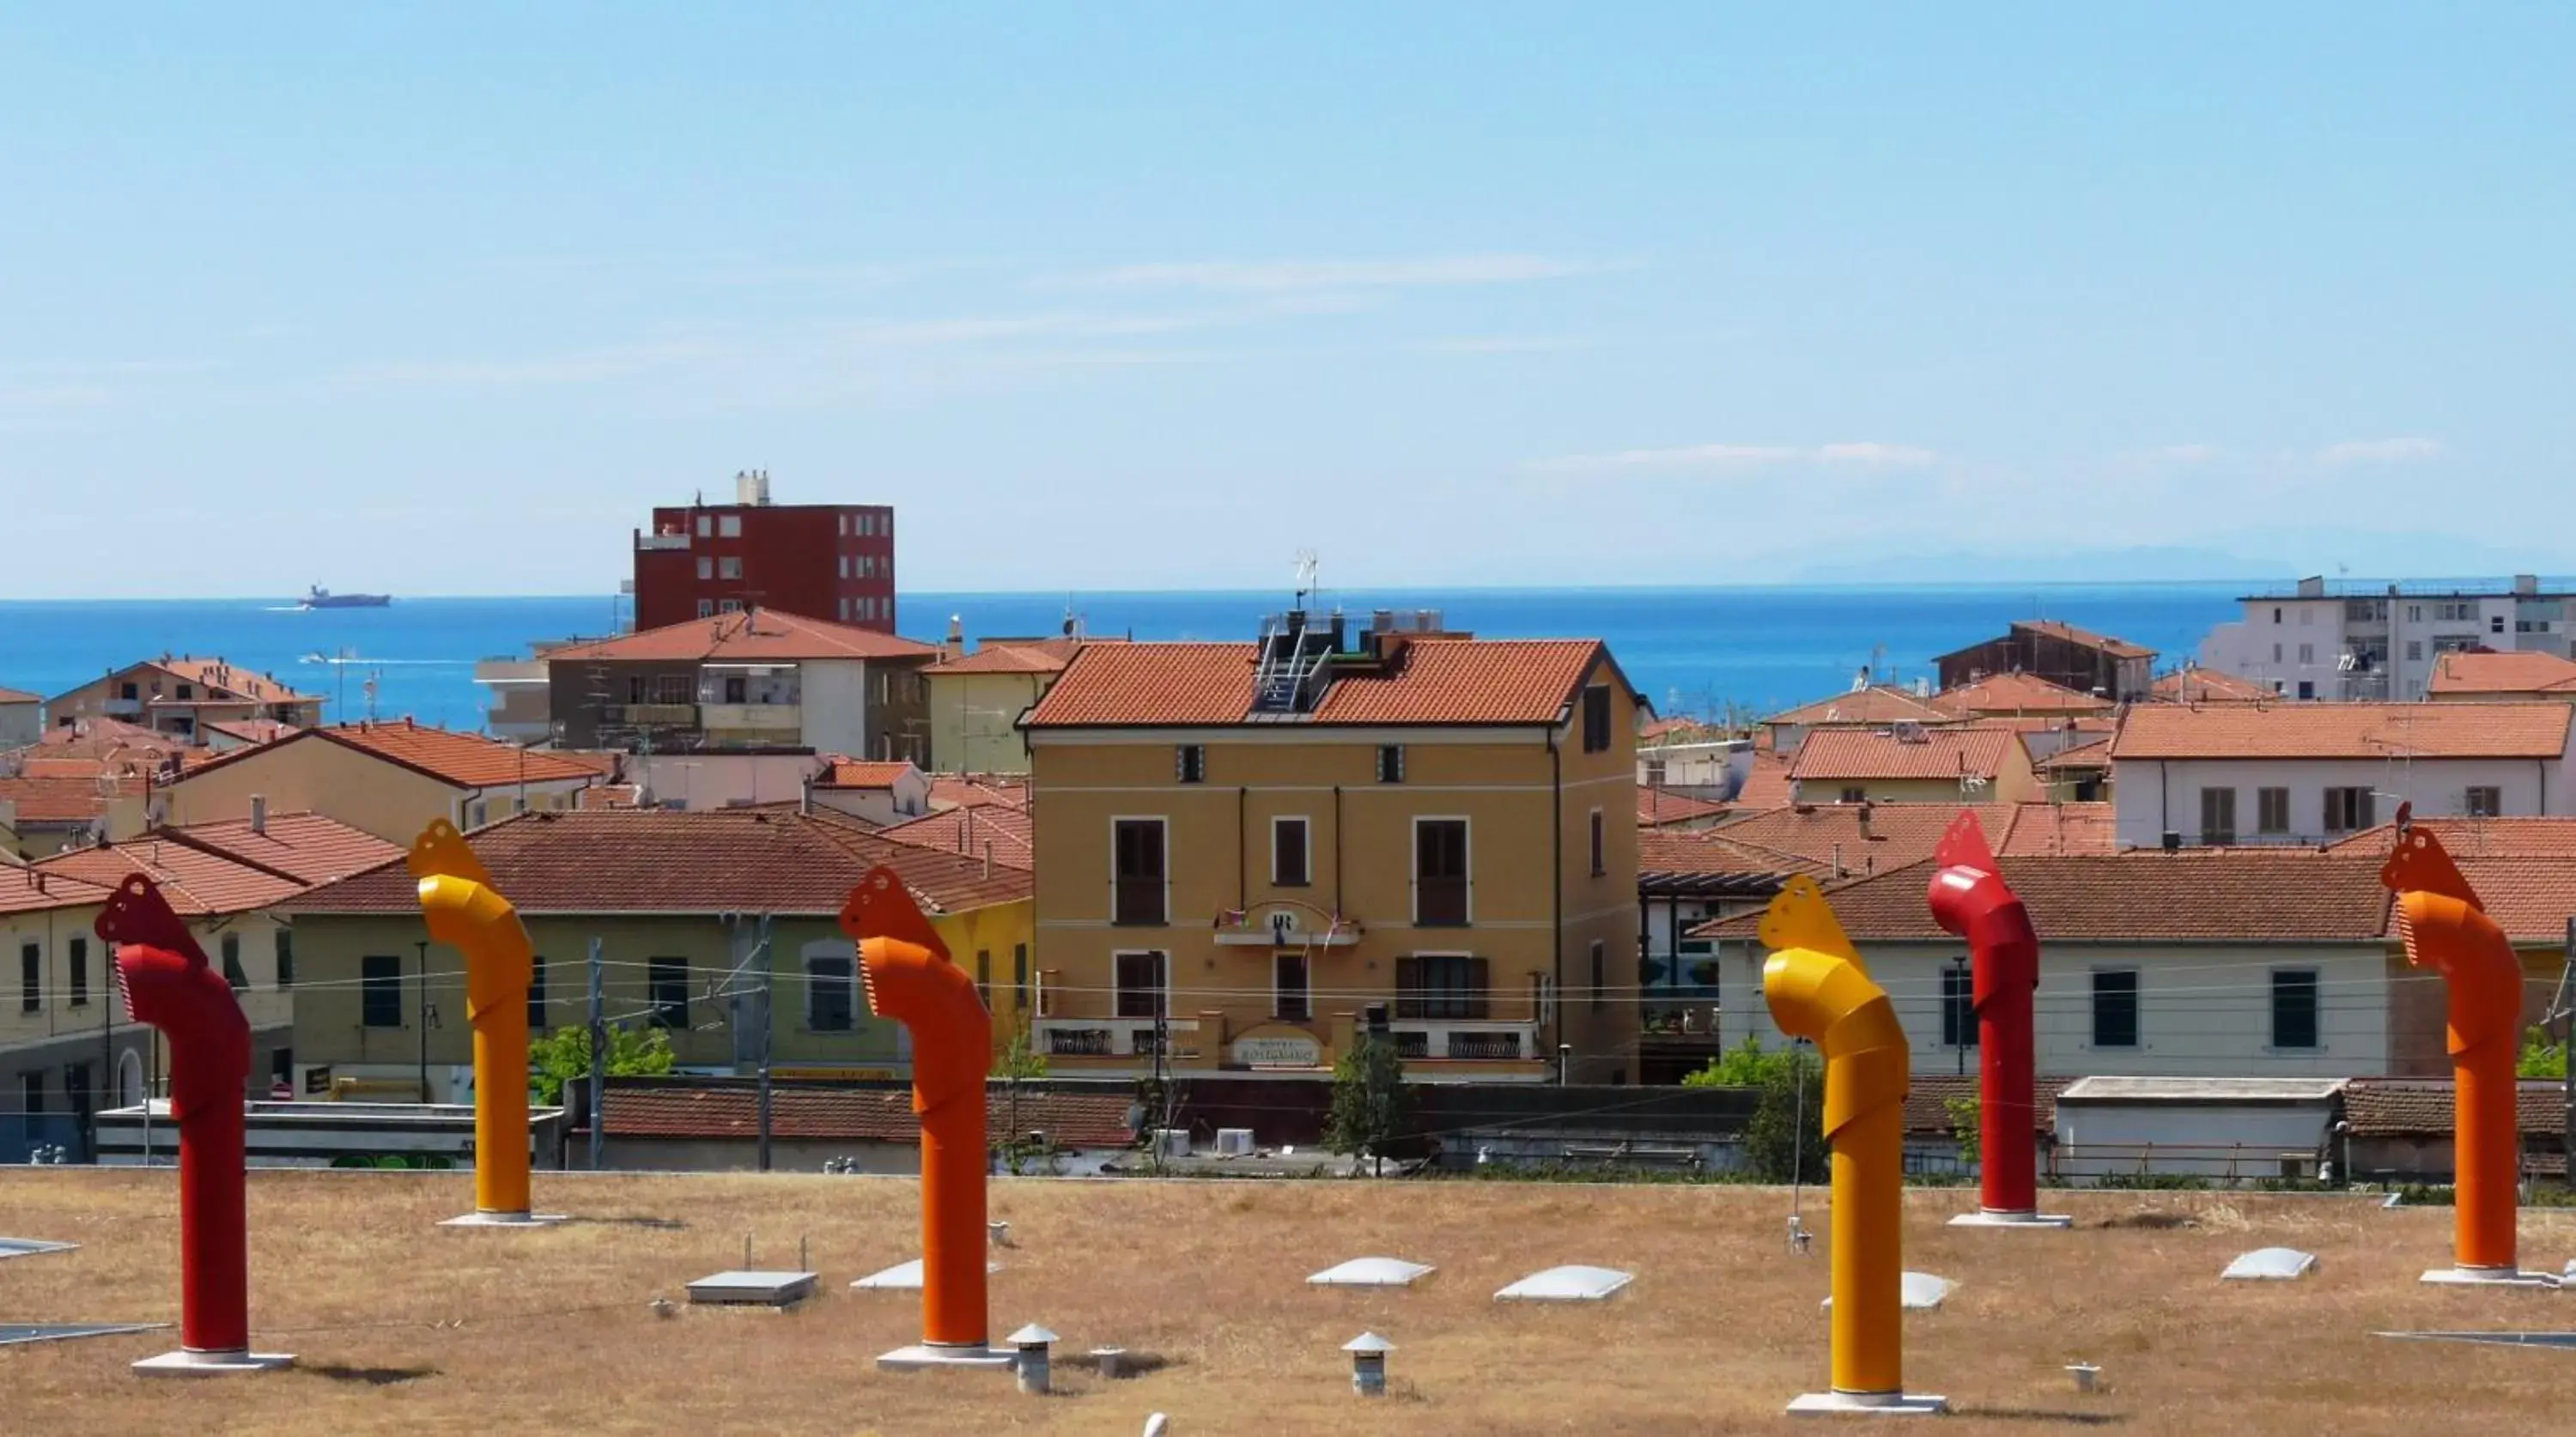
(259, 814)
(1864, 821)
(955, 648)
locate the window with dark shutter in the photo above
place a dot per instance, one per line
(1288, 866)
(2294, 1007)
(1390, 763)
(31, 978)
(1445, 985)
(380, 991)
(1599, 859)
(285, 958)
(1192, 759)
(233, 973)
(2115, 1008)
(1142, 985)
(1140, 873)
(669, 981)
(78, 969)
(1596, 719)
(1440, 873)
(536, 993)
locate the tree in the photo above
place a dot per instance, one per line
(1371, 1109)
(1967, 1121)
(563, 1056)
(1785, 1140)
(2540, 1058)
(1019, 1060)
(1746, 1065)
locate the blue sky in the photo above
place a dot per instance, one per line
(444, 299)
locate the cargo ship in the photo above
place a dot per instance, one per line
(322, 598)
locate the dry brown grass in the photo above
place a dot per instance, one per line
(550, 1331)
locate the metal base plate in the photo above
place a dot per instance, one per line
(184, 1363)
(507, 1219)
(2011, 1219)
(922, 1355)
(1869, 1404)
(2489, 1277)
(757, 1289)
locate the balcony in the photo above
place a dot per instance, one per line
(651, 715)
(645, 543)
(1466, 1041)
(766, 718)
(1110, 1037)
(121, 708)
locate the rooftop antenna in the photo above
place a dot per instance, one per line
(1307, 564)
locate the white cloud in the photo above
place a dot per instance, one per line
(1290, 276)
(2404, 450)
(1850, 454)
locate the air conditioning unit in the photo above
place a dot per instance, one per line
(1172, 1142)
(1234, 1142)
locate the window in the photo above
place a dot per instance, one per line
(2307, 689)
(2276, 653)
(1600, 976)
(128, 691)
(31, 1092)
(1288, 988)
(2495, 625)
(2115, 1007)
(706, 610)
(845, 525)
(831, 992)
(1020, 975)
(669, 980)
(2307, 653)
(2218, 815)
(1440, 986)
(2486, 801)
(1596, 719)
(1390, 763)
(2294, 1007)
(865, 527)
(1439, 872)
(476, 813)
(233, 973)
(1289, 855)
(729, 567)
(1654, 773)
(706, 567)
(706, 526)
(729, 526)
(2276, 613)
(1142, 981)
(984, 977)
(845, 566)
(2348, 810)
(1855, 795)
(845, 608)
(2414, 651)
(78, 970)
(537, 993)
(1192, 762)
(2307, 616)
(1141, 876)
(673, 689)
(1600, 859)
(31, 978)
(2414, 613)
(380, 991)
(189, 691)
(1958, 1007)
(2271, 810)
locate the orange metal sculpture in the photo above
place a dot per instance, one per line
(2445, 928)
(465, 912)
(909, 978)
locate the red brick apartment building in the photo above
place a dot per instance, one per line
(824, 561)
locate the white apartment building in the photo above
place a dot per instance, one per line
(2380, 642)
(2237, 774)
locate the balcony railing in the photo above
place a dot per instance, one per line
(664, 715)
(1110, 1037)
(782, 717)
(1467, 1042)
(646, 542)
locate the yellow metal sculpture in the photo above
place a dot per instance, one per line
(465, 912)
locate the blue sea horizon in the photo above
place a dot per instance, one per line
(1686, 648)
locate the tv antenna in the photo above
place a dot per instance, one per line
(1307, 564)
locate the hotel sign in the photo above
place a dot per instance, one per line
(1278, 1052)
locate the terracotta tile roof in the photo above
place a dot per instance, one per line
(305, 846)
(19, 696)
(2017, 694)
(2203, 895)
(452, 756)
(2422, 1107)
(1013, 656)
(2526, 837)
(1664, 853)
(661, 861)
(197, 881)
(1679, 730)
(2116, 648)
(2339, 730)
(976, 790)
(1877, 705)
(2197, 685)
(2060, 828)
(684, 1110)
(2531, 899)
(58, 800)
(854, 773)
(1010, 833)
(20, 891)
(258, 730)
(2525, 672)
(611, 795)
(1830, 754)
(1432, 681)
(1766, 785)
(228, 683)
(2100, 725)
(1928, 1095)
(750, 636)
(1656, 806)
(2096, 754)
(1898, 833)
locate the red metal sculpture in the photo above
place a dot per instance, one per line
(1970, 898)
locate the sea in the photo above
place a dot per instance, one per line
(1698, 651)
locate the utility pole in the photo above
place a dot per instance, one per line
(425, 1010)
(769, 1028)
(2566, 1011)
(598, 1051)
